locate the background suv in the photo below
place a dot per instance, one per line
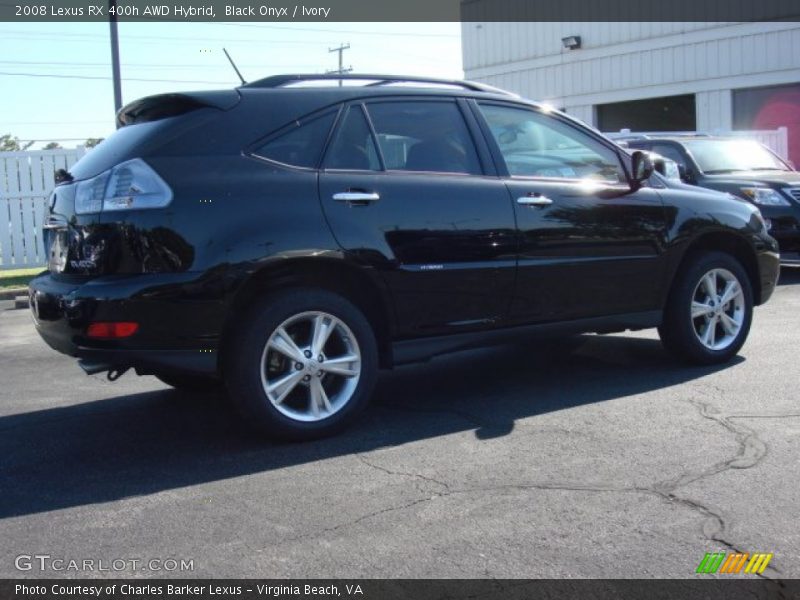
(743, 168)
(290, 237)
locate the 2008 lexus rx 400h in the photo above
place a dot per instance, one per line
(290, 237)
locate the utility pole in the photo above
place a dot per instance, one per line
(341, 70)
(112, 21)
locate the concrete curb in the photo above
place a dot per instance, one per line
(14, 293)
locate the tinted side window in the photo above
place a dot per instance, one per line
(424, 136)
(354, 148)
(301, 145)
(669, 151)
(537, 145)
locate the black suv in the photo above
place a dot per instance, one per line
(743, 168)
(292, 236)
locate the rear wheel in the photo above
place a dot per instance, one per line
(302, 364)
(709, 311)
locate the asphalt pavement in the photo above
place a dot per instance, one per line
(594, 456)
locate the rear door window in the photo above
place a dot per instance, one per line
(353, 149)
(301, 144)
(424, 136)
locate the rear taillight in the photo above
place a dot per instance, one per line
(112, 330)
(131, 185)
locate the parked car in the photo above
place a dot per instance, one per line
(744, 168)
(662, 165)
(290, 237)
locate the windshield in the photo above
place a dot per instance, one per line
(725, 156)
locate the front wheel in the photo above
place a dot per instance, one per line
(709, 310)
(302, 364)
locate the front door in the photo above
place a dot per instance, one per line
(588, 246)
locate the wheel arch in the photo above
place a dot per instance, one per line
(336, 275)
(724, 241)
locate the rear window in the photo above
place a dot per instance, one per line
(121, 145)
(301, 145)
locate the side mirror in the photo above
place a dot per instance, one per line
(641, 169)
(687, 176)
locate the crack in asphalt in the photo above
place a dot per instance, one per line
(418, 476)
(751, 451)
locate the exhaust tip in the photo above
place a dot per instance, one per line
(93, 368)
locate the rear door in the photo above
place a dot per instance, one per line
(588, 247)
(406, 191)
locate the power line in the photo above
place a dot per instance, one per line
(350, 31)
(87, 37)
(71, 122)
(94, 38)
(98, 77)
(81, 65)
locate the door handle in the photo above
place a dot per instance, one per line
(357, 198)
(55, 222)
(537, 200)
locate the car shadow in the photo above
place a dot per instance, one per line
(149, 442)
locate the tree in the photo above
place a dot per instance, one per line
(92, 142)
(11, 143)
(52, 146)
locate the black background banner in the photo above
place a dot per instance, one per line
(401, 10)
(702, 587)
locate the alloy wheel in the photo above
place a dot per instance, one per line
(310, 366)
(718, 309)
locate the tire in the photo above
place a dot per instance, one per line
(190, 383)
(716, 330)
(280, 386)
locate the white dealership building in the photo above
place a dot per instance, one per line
(648, 76)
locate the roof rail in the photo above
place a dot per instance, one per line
(276, 81)
(646, 135)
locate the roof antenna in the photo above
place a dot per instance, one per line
(233, 64)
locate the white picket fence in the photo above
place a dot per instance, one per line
(26, 180)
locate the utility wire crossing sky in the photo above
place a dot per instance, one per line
(57, 81)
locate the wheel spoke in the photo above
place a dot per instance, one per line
(710, 334)
(700, 310)
(729, 324)
(345, 366)
(732, 291)
(283, 387)
(323, 327)
(283, 343)
(710, 284)
(318, 397)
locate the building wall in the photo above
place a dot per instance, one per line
(628, 61)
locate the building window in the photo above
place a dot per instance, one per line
(669, 113)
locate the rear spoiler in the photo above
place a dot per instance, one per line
(161, 106)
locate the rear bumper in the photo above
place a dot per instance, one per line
(179, 316)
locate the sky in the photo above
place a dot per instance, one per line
(56, 77)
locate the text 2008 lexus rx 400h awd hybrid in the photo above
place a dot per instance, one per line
(290, 237)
